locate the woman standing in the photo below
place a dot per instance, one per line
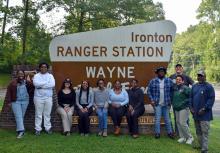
(101, 105)
(136, 107)
(180, 104)
(118, 99)
(18, 92)
(84, 102)
(66, 101)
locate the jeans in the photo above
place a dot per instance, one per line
(162, 111)
(19, 108)
(103, 117)
(43, 108)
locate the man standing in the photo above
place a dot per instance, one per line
(201, 102)
(179, 71)
(160, 92)
(44, 83)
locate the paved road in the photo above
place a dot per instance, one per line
(216, 108)
(2, 93)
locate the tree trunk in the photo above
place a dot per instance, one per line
(4, 23)
(80, 26)
(25, 26)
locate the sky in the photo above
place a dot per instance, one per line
(181, 12)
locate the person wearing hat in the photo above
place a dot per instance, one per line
(201, 102)
(66, 102)
(187, 81)
(179, 71)
(160, 92)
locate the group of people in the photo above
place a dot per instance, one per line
(162, 91)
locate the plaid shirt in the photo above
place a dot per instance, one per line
(153, 90)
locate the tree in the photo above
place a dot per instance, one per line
(85, 15)
(209, 10)
(199, 47)
(4, 20)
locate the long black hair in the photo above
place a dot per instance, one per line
(87, 92)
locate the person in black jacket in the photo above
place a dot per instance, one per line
(135, 107)
(66, 101)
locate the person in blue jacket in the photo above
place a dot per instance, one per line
(201, 102)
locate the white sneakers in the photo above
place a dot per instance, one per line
(181, 140)
(188, 141)
(20, 135)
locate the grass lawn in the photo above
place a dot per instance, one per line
(57, 143)
(4, 80)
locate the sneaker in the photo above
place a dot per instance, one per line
(157, 136)
(20, 135)
(49, 131)
(189, 140)
(105, 133)
(86, 134)
(181, 140)
(37, 133)
(67, 133)
(99, 133)
(135, 136)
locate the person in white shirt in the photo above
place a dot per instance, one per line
(44, 83)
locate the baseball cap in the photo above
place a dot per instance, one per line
(201, 72)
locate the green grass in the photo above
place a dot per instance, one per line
(56, 143)
(4, 80)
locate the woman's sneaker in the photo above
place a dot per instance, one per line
(189, 140)
(20, 135)
(181, 140)
(37, 133)
(105, 133)
(99, 133)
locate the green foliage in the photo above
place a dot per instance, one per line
(37, 40)
(98, 14)
(199, 47)
(82, 15)
(4, 80)
(209, 10)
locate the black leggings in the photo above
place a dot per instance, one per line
(132, 120)
(84, 121)
(117, 114)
